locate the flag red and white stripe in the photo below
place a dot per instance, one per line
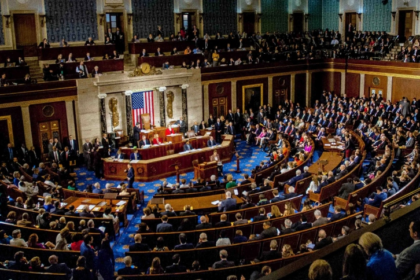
(142, 103)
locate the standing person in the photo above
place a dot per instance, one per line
(106, 261)
(87, 148)
(136, 134)
(120, 41)
(219, 130)
(105, 145)
(130, 175)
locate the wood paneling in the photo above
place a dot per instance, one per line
(382, 83)
(37, 116)
(25, 29)
(404, 87)
(300, 89)
(352, 84)
(250, 81)
(329, 81)
(280, 83)
(16, 115)
(218, 90)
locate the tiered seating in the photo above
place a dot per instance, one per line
(378, 212)
(26, 275)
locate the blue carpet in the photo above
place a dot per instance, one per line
(250, 157)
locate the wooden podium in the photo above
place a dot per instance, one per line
(174, 138)
(205, 170)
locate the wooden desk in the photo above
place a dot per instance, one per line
(159, 130)
(164, 166)
(176, 60)
(333, 159)
(199, 204)
(156, 151)
(78, 52)
(332, 144)
(112, 65)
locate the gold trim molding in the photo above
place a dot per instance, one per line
(8, 119)
(40, 101)
(414, 77)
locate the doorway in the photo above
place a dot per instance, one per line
(298, 22)
(249, 23)
(405, 24)
(188, 22)
(114, 20)
(280, 96)
(351, 18)
(48, 130)
(25, 33)
(219, 105)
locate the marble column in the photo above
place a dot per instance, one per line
(270, 90)
(233, 95)
(27, 126)
(206, 101)
(389, 89)
(185, 103)
(292, 87)
(362, 86)
(70, 119)
(102, 111)
(162, 106)
(128, 109)
(343, 82)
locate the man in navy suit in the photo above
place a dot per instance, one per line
(228, 204)
(57, 267)
(183, 245)
(292, 181)
(211, 142)
(377, 198)
(144, 141)
(219, 130)
(276, 197)
(73, 146)
(187, 146)
(130, 175)
(164, 226)
(312, 127)
(10, 152)
(135, 155)
(176, 267)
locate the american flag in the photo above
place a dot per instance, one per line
(143, 104)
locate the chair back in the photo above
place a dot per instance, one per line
(145, 120)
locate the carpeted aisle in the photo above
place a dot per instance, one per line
(250, 157)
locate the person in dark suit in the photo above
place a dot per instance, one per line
(337, 214)
(183, 245)
(219, 127)
(269, 231)
(182, 125)
(187, 211)
(272, 254)
(87, 149)
(56, 267)
(406, 261)
(71, 212)
(292, 181)
(261, 215)
(136, 133)
(223, 263)
(144, 141)
(188, 146)
(128, 270)
(138, 246)
(342, 172)
(89, 42)
(211, 142)
(230, 129)
(203, 242)
(130, 175)
(96, 72)
(119, 40)
(168, 211)
(135, 155)
(223, 221)
(228, 204)
(175, 267)
(10, 152)
(323, 240)
(44, 44)
(346, 189)
(203, 223)
(164, 226)
(105, 145)
(288, 227)
(73, 146)
(65, 157)
(246, 180)
(302, 224)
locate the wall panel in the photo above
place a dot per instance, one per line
(377, 82)
(405, 87)
(15, 114)
(275, 16)
(220, 90)
(148, 14)
(300, 89)
(250, 81)
(280, 83)
(72, 20)
(376, 16)
(352, 85)
(37, 116)
(219, 16)
(315, 14)
(330, 9)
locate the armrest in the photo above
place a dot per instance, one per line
(314, 196)
(341, 202)
(369, 209)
